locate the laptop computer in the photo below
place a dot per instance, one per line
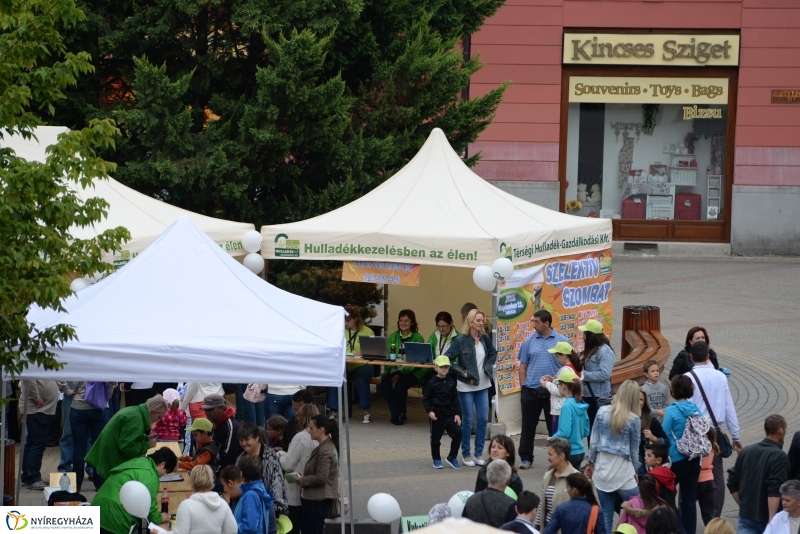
(373, 347)
(418, 352)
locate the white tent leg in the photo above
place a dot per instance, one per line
(349, 463)
(342, 406)
(23, 400)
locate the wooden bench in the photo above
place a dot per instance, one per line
(644, 345)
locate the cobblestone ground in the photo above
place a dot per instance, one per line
(748, 306)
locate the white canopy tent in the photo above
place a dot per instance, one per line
(145, 217)
(184, 309)
(436, 211)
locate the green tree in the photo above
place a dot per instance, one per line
(38, 203)
(276, 110)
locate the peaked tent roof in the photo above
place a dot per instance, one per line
(184, 309)
(437, 211)
(145, 217)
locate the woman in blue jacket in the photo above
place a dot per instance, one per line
(686, 471)
(598, 364)
(573, 423)
(473, 355)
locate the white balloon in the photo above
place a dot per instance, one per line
(383, 508)
(135, 498)
(252, 241)
(457, 502)
(502, 269)
(254, 262)
(483, 278)
(79, 284)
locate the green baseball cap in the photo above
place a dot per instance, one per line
(566, 374)
(625, 528)
(201, 424)
(562, 347)
(595, 327)
(442, 361)
(285, 524)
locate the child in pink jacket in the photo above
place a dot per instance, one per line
(636, 511)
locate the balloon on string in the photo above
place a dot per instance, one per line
(254, 262)
(135, 498)
(383, 508)
(252, 241)
(79, 284)
(502, 269)
(510, 492)
(483, 278)
(458, 501)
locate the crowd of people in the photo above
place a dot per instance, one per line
(649, 453)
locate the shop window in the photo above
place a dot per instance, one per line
(644, 160)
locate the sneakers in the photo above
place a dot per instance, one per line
(367, 419)
(468, 462)
(525, 464)
(452, 462)
(479, 461)
(332, 415)
(437, 464)
(38, 485)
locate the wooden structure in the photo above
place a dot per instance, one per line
(641, 341)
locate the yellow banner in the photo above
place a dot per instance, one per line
(679, 50)
(573, 289)
(630, 90)
(381, 272)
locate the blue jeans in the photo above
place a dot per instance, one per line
(240, 389)
(113, 402)
(254, 412)
(86, 425)
(35, 444)
(360, 378)
(279, 405)
(65, 443)
(472, 402)
(608, 501)
(686, 474)
(748, 526)
(314, 513)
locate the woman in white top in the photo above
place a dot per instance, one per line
(614, 450)
(296, 458)
(205, 512)
(444, 334)
(787, 521)
(195, 393)
(473, 355)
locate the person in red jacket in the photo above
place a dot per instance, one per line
(656, 458)
(225, 429)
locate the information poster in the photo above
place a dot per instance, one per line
(381, 272)
(573, 289)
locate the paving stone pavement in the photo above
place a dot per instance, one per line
(747, 304)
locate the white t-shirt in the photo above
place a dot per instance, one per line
(141, 385)
(612, 473)
(794, 525)
(485, 381)
(280, 389)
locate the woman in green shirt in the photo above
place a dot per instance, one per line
(396, 381)
(444, 334)
(358, 373)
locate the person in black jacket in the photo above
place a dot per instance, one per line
(526, 507)
(794, 457)
(440, 399)
(683, 363)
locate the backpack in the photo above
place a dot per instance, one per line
(694, 441)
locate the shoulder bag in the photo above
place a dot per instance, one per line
(255, 392)
(592, 519)
(96, 394)
(724, 443)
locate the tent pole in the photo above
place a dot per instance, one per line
(495, 303)
(349, 465)
(386, 310)
(24, 400)
(342, 406)
(3, 431)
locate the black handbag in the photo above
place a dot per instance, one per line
(723, 442)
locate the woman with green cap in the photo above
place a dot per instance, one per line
(598, 363)
(568, 359)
